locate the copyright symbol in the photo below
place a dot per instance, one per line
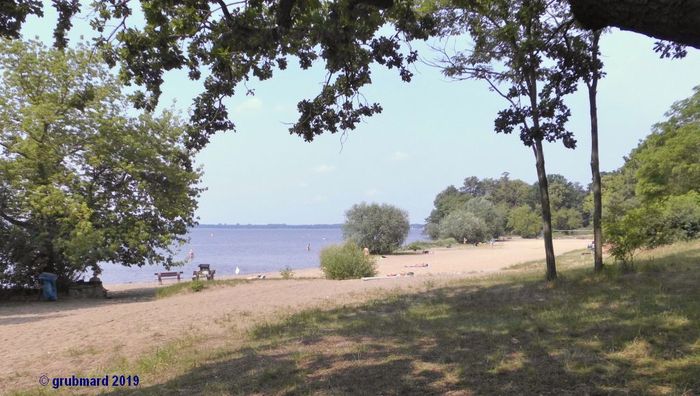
(44, 380)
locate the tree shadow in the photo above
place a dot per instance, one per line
(42, 310)
(585, 334)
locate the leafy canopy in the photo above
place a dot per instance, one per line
(229, 43)
(81, 180)
(654, 198)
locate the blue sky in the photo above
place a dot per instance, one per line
(432, 133)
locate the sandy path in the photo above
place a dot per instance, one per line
(87, 336)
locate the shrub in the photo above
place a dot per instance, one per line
(287, 272)
(380, 228)
(346, 261)
(416, 246)
(422, 245)
(197, 285)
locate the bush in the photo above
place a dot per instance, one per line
(346, 261)
(416, 246)
(422, 245)
(462, 224)
(197, 285)
(653, 224)
(380, 228)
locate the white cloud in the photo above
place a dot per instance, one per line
(399, 156)
(324, 168)
(249, 105)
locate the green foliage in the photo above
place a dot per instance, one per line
(287, 272)
(232, 43)
(629, 234)
(380, 228)
(81, 180)
(493, 200)
(681, 216)
(566, 219)
(525, 222)
(483, 209)
(197, 285)
(669, 161)
(346, 261)
(448, 200)
(422, 245)
(463, 224)
(654, 198)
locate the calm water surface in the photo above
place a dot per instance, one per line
(252, 250)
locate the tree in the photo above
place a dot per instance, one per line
(588, 59)
(654, 199)
(82, 182)
(463, 224)
(516, 51)
(380, 228)
(567, 219)
(445, 202)
(524, 222)
(229, 43)
(484, 210)
(674, 20)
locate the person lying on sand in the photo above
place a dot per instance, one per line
(423, 265)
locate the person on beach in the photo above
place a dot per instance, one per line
(308, 247)
(190, 255)
(366, 251)
(96, 276)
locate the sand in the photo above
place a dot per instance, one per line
(90, 336)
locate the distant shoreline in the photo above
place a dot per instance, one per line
(279, 226)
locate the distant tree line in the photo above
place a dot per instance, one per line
(488, 208)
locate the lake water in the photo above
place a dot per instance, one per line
(252, 250)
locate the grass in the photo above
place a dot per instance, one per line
(195, 286)
(611, 333)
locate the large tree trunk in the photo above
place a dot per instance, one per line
(674, 20)
(595, 165)
(546, 211)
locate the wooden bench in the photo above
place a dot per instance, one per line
(163, 275)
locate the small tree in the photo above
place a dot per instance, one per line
(462, 224)
(380, 228)
(524, 222)
(515, 49)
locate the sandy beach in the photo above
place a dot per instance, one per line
(91, 336)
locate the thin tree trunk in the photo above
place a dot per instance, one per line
(595, 166)
(546, 211)
(551, 273)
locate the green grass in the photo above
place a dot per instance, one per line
(195, 286)
(612, 333)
